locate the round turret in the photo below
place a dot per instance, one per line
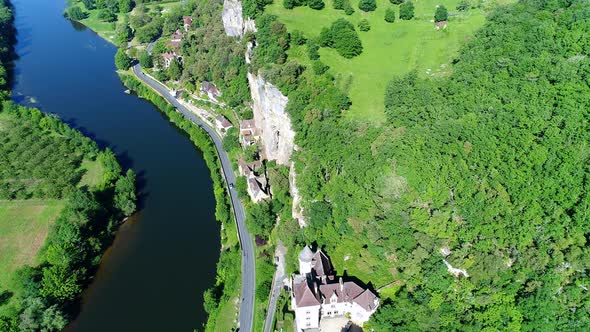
(305, 257)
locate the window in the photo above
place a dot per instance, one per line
(308, 324)
(308, 318)
(307, 312)
(336, 312)
(329, 312)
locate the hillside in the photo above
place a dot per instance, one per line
(388, 48)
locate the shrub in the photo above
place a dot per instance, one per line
(313, 49)
(298, 38)
(364, 25)
(106, 15)
(463, 5)
(316, 4)
(390, 15)
(338, 4)
(319, 67)
(289, 4)
(396, 2)
(406, 10)
(441, 14)
(367, 5)
(348, 10)
(145, 60)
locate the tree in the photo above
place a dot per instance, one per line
(122, 60)
(75, 13)
(319, 67)
(313, 49)
(367, 5)
(316, 4)
(441, 14)
(125, 193)
(123, 34)
(364, 25)
(396, 2)
(145, 60)
(125, 6)
(175, 70)
(406, 10)
(342, 36)
(289, 4)
(298, 38)
(338, 4)
(89, 4)
(107, 15)
(348, 10)
(390, 15)
(463, 5)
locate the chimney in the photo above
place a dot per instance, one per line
(341, 285)
(315, 287)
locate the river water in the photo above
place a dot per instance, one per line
(162, 259)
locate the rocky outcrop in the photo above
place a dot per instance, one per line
(455, 271)
(297, 209)
(233, 22)
(273, 122)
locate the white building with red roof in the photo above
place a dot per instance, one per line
(317, 295)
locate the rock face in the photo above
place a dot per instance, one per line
(268, 105)
(232, 18)
(297, 209)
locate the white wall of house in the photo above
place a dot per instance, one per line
(307, 317)
(359, 315)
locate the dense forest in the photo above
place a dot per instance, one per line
(485, 170)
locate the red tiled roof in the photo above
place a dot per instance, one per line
(350, 290)
(304, 296)
(321, 264)
(366, 300)
(187, 20)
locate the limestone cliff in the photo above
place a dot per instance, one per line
(232, 18)
(268, 106)
(233, 21)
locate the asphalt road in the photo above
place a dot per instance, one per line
(248, 264)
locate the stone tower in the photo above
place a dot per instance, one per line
(305, 257)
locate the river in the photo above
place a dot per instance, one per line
(153, 276)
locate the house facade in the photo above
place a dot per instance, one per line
(316, 294)
(187, 22)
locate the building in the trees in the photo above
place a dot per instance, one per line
(222, 123)
(187, 22)
(176, 36)
(258, 187)
(210, 90)
(316, 294)
(169, 56)
(249, 134)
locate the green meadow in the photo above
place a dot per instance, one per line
(389, 49)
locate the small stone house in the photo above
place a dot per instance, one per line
(177, 36)
(168, 57)
(210, 90)
(222, 123)
(258, 188)
(249, 169)
(249, 134)
(187, 22)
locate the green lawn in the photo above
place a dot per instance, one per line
(93, 173)
(23, 228)
(390, 49)
(227, 315)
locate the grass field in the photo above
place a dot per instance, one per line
(93, 173)
(227, 316)
(23, 228)
(390, 49)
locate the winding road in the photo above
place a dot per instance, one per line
(248, 264)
